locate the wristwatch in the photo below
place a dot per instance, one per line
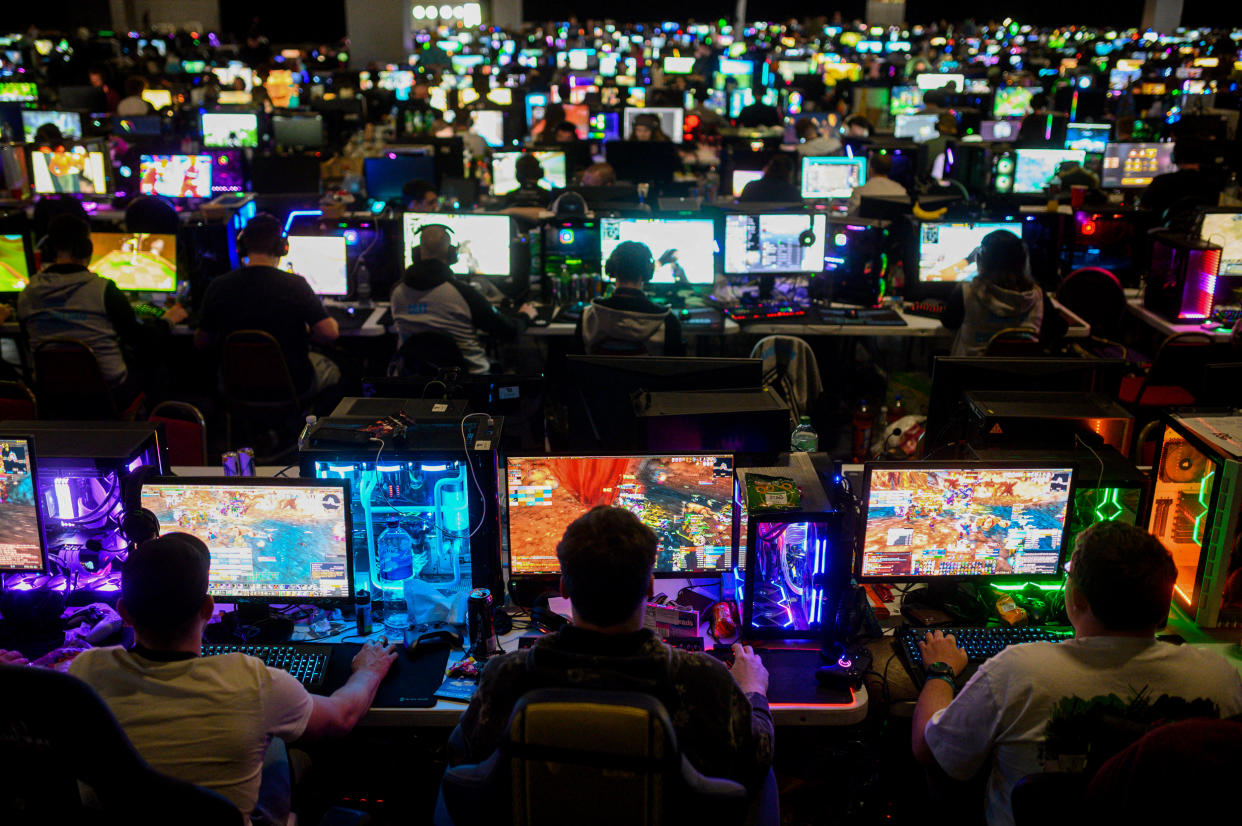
(940, 671)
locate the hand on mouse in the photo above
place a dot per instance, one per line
(748, 670)
(376, 657)
(175, 314)
(529, 310)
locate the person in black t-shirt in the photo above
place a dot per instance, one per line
(259, 296)
(628, 320)
(774, 186)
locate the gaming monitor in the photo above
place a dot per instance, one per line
(297, 132)
(918, 128)
(386, 176)
(282, 90)
(158, 98)
(21, 522)
(931, 80)
(175, 176)
(270, 540)
(1135, 165)
(504, 170)
(482, 241)
(321, 260)
(949, 252)
(133, 127)
(671, 118)
(1037, 168)
(572, 244)
(963, 520)
(905, 100)
(137, 261)
(678, 65)
(14, 264)
(683, 248)
(1000, 130)
(76, 170)
(687, 500)
(832, 177)
(1224, 227)
(231, 130)
(741, 177)
(69, 123)
(774, 243)
(1091, 138)
(604, 126)
(12, 91)
(489, 124)
(234, 97)
(1012, 101)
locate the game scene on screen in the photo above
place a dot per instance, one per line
(136, 261)
(1037, 168)
(321, 260)
(950, 252)
(1225, 229)
(482, 241)
(965, 522)
(69, 123)
(19, 524)
(175, 176)
(72, 171)
(14, 273)
(264, 542)
(1135, 164)
(774, 243)
(235, 130)
(686, 500)
(504, 171)
(683, 249)
(1012, 101)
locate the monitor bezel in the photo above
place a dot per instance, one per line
(344, 243)
(258, 129)
(830, 160)
(808, 273)
(658, 216)
(1122, 187)
(407, 249)
(502, 490)
(33, 468)
(341, 485)
(177, 199)
(861, 539)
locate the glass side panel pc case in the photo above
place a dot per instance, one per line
(1195, 513)
(790, 559)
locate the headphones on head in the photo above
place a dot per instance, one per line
(648, 263)
(82, 249)
(451, 257)
(137, 523)
(244, 252)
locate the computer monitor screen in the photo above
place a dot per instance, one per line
(504, 170)
(670, 121)
(1012, 101)
(282, 90)
(1129, 165)
(489, 124)
(158, 98)
(18, 92)
(1037, 168)
(69, 123)
(482, 240)
(964, 520)
(905, 100)
(387, 175)
(175, 176)
(268, 540)
(1089, 137)
(14, 265)
(741, 177)
(231, 130)
(1000, 130)
(832, 177)
(297, 131)
(137, 261)
(928, 81)
(321, 260)
(949, 252)
(1225, 229)
(686, 500)
(235, 97)
(138, 126)
(604, 126)
(683, 248)
(572, 244)
(774, 243)
(919, 128)
(21, 533)
(678, 65)
(76, 170)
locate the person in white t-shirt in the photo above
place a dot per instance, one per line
(212, 721)
(878, 184)
(1119, 588)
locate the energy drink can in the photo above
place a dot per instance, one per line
(480, 625)
(232, 463)
(246, 455)
(362, 612)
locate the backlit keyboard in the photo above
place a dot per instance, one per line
(979, 643)
(1227, 316)
(307, 663)
(926, 308)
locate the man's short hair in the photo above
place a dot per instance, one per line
(606, 559)
(1125, 575)
(134, 86)
(780, 168)
(164, 582)
(527, 169)
(264, 235)
(806, 128)
(68, 234)
(599, 174)
(881, 164)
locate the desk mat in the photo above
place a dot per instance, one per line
(411, 683)
(791, 678)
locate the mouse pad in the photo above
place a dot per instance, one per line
(791, 678)
(411, 683)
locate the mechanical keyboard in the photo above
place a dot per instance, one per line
(768, 313)
(860, 317)
(926, 308)
(979, 643)
(701, 319)
(308, 663)
(1228, 316)
(349, 317)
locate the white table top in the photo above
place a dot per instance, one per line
(1169, 328)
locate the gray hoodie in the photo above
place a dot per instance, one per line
(990, 309)
(601, 324)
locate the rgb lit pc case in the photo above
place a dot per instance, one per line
(1195, 513)
(1182, 283)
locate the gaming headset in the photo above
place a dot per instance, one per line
(243, 252)
(137, 523)
(449, 259)
(610, 266)
(83, 249)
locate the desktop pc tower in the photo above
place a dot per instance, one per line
(1182, 283)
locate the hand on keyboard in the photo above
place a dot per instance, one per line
(943, 648)
(376, 657)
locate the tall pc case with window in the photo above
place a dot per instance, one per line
(1195, 511)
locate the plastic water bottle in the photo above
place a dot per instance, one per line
(394, 550)
(804, 438)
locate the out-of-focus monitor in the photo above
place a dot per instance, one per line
(74, 170)
(482, 241)
(158, 98)
(235, 97)
(774, 243)
(961, 520)
(386, 175)
(687, 500)
(1224, 227)
(138, 262)
(14, 264)
(489, 124)
(69, 123)
(300, 132)
(21, 524)
(905, 100)
(931, 80)
(683, 248)
(504, 170)
(671, 118)
(14, 91)
(175, 176)
(571, 245)
(270, 540)
(741, 177)
(1134, 165)
(832, 177)
(1000, 130)
(949, 252)
(230, 130)
(918, 128)
(321, 260)
(1036, 168)
(1012, 101)
(1091, 138)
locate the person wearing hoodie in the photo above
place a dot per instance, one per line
(628, 316)
(1002, 295)
(429, 299)
(66, 300)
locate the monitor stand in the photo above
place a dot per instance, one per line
(250, 622)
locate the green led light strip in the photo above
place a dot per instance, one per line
(1203, 488)
(1109, 497)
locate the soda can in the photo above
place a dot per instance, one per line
(232, 463)
(362, 612)
(246, 455)
(480, 626)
